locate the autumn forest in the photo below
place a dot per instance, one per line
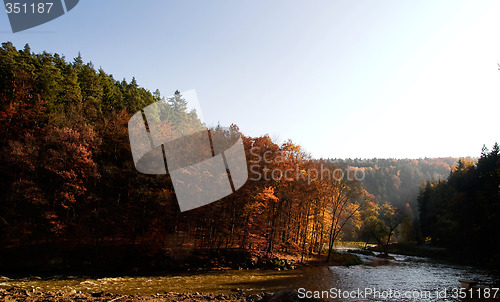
(70, 195)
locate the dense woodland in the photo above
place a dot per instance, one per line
(463, 212)
(68, 180)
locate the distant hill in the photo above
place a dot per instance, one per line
(397, 181)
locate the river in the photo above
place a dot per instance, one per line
(403, 279)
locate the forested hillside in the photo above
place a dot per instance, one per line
(71, 198)
(69, 187)
(463, 212)
(398, 181)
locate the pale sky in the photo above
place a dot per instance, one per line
(340, 78)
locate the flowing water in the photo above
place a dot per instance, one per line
(402, 279)
(407, 279)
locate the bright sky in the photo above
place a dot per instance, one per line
(341, 78)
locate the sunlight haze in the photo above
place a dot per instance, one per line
(340, 78)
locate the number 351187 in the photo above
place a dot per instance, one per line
(23, 8)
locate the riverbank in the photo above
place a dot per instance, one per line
(14, 294)
(404, 274)
(118, 260)
(210, 282)
(109, 258)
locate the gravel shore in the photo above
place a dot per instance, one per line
(15, 294)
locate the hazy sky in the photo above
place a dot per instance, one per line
(341, 78)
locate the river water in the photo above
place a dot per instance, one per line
(403, 279)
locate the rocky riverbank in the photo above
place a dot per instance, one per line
(15, 294)
(52, 259)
